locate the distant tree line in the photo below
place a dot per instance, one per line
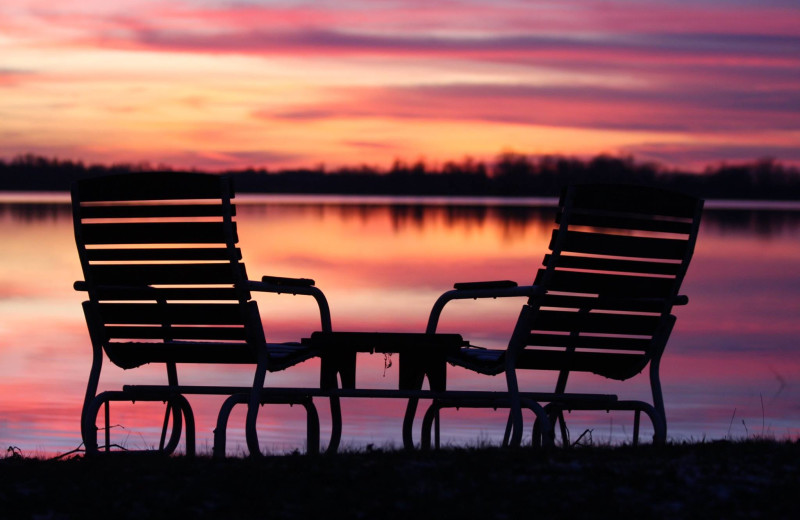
(511, 174)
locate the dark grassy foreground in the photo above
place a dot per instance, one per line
(705, 480)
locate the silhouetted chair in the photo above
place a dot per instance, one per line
(602, 303)
(166, 284)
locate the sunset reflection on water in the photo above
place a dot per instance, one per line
(730, 369)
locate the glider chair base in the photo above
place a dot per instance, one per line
(177, 406)
(236, 396)
(543, 433)
(555, 412)
(166, 283)
(601, 303)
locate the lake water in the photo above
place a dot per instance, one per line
(731, 369)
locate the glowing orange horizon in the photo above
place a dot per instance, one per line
(227, 85)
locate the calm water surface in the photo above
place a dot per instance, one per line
(731, 369)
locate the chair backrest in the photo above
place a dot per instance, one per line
(161, 266)
(617, 258)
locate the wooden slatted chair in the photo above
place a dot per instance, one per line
(166, 284)
(602, 303)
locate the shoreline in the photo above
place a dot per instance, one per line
(244, 198)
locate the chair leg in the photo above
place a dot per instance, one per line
(555, 415)
(408, 423)
(437, 437)
(507, 434)
(427, 423)
(336, 425)
(312, 427)
(107, 425)
(88, 427)
(253, 405)
(542, 419)
(88, 419)
(660, 429)
(562, 423)
(540, 436)
(515, 405)
(536, 434)
(185, 409)
(414, 382)
(659, 425)
(220, 432)
(167, 413)
(172, 379)
(177, 422)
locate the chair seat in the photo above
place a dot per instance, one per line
(481, 360)
(618, 366)
(134, 354)
(613, 366)
(284, 355)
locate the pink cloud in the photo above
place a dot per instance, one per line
(420, 16)
(701, 155)
(478, 31)
(14, 78)
(225, 159)
(697, 48)
(657, 108)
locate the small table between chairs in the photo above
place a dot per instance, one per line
(421, 355)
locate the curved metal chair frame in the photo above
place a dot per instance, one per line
(166, 284)
(601, 303)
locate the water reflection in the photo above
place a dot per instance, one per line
(381, 266)
(763, 219)
(765, 223)
(33, 212)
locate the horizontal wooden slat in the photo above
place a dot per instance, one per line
(177, 333)
(641, 223)
(123, 211)
(157, 233)
(161, 254)
(608, 285)
(130, 355)
(612, 264)
(588, 342)
(171, 313)
(145, 293)
(653, 305)
(634, 199)
(615, 366)
(165, 274)
(595, 323)
(620, 245)
(152, 186)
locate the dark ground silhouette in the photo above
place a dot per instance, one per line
(756, 479)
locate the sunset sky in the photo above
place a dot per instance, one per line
(218, 84)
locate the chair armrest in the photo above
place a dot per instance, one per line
(495, 284)
(294, 282)
(295, 286)
(681, 299)
(475, 290)
(80, 286)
